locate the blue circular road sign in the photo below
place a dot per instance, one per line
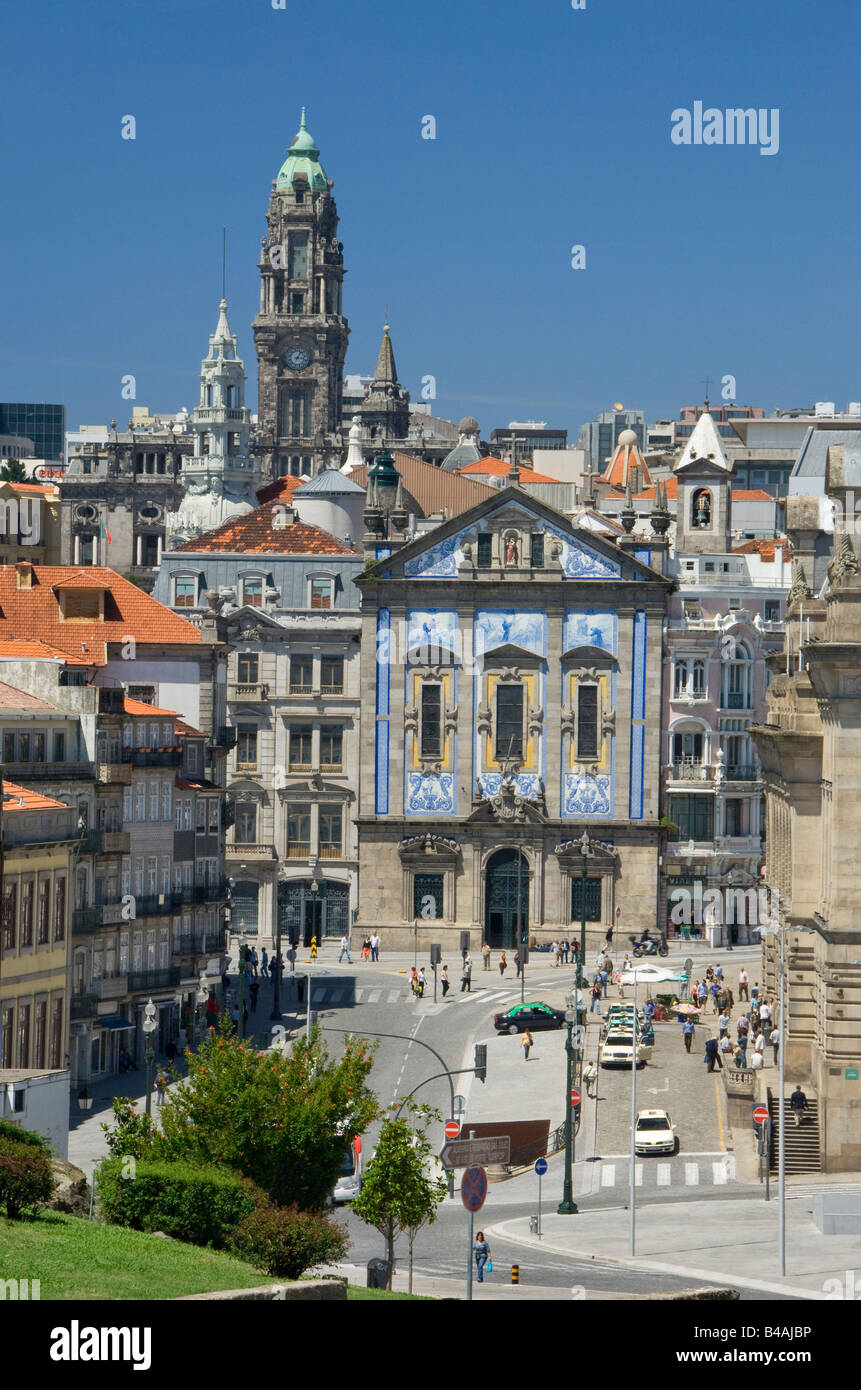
(541, 1166)
(473, 1188)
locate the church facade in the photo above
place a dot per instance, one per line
(511, 673)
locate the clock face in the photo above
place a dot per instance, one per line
(297, 359)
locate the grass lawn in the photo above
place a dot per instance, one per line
(356, 1294)
(79, 1259)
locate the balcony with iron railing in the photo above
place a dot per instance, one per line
(62, 772)
(331, 850)
(691, 770)
(743, 772)
(89, 919)
(110, 987)
(736, 699)
(152, 904)
(168, 756)
(198, 944)
(224, 738)
(250, 851)
(298, 849)
(199, 893)
(248, 692)
(145, 980)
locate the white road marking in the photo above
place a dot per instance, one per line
(638, 1175)
(664, 1175)
(608, 1175)
(372, 996)
(692, 1174)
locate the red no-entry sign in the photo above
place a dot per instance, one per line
(575, 1097)
(452, 1129)
(760, 1115)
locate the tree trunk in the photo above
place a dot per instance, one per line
(412, 1238)
(390, 1243)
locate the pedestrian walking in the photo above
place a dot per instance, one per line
(764, 1015)
(485, 954)
(526, 1041)
(590, 1076)
(609, 936)
(712, 1055)
(225, 983)
(481, 1250)
(719, 972)
(466, 974)
(556, 952)
(723, 1023)
(742, 1047)
(345, 950)
(420, 984)
(445, 981)
(596, 998)
(366, 949)
(688, 1033)
(254, 990)
(715, 991)
(255, 960)
(211, 1010)
(414, 980)
(798, 1102)
(702, 995)
(160, 1088)
(775, 1042)
(375, 946)
(518, 963)
(743, 983)
(566, 950)
(503, 963)
(725, 1045)
(264, 964)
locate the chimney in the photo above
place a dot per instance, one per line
(23, 575)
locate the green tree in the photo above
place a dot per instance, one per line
(400, 1194)
(282, 1119)
(13, 471)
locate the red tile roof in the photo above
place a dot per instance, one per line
(755, 495)
(15, 650)
(498, 468)
(182, 728)
(257, 533)
(23, 799)
(128, 612)
(671, 485)
(765, 549)
(12, 698)
(282, 488)
(140, 707)
(48, 488)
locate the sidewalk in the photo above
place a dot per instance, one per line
(733, 1242)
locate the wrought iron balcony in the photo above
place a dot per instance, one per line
(691, 771)
(143, 980)
(157, 757)
(743, 772)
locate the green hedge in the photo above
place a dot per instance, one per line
(285, 1241)
(24, 1136)
(198, 1205)
(26, 1180)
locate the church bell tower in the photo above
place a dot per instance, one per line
(300, 332)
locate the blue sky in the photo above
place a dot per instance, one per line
(553, 129)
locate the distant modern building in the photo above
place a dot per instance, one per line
(723, 416)
(528, 435)
(601, 436)
(43, 424)
(13, 446)
(770, 445)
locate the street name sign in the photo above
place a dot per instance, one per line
(467, 1153)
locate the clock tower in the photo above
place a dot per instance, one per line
(300, 332)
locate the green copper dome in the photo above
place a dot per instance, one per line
(383, 470)
(303, 157)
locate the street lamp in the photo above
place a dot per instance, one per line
(240, 1021)
(280, 890)
(568, 1207)
(85, 1100)
(149, 1026)
(201, 996)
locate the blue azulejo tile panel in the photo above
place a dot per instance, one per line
(645, 558)
(590, 627)
(527, 784)
(496, 627)
(579, 561)
(383, 699)
(430, 794)
(440, 561)
(587, 796)
(428, 628)
(638, 714)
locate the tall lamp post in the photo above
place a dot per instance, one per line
(568, 1207)
(276, 995)
(149, 1026)
(201, 996)
(240, 1021)
(584, 871)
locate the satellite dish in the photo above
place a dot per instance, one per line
(617, 405)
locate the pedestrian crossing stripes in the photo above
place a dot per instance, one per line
(339, 994)
(716, 1172)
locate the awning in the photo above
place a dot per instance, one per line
(113, 1024)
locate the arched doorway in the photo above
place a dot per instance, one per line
(504, 870)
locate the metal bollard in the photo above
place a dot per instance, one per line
(515, 1274)
(533, 1225)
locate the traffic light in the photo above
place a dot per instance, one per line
(481, 1061)
(523, 948)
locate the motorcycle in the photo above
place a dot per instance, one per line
(649, 947)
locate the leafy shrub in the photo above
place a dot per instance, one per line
(132, 1135)
(24, 1136)
(199, 1205)
(26, 1180)
(285, 1241)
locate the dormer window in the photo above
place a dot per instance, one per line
(252, 591)
(321, 591)
(185, 591)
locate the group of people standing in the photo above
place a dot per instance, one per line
(755, 1029)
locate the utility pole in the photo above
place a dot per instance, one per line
(568, 1207)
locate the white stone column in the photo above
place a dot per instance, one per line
(159, 549)
(77, 551)
(139, 551)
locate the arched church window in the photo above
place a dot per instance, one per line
(701, 509)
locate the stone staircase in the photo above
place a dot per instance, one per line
(802, 1143)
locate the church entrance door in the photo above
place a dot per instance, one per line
(501, 898)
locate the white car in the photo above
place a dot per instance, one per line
(617, 1049)
(654, 1133)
